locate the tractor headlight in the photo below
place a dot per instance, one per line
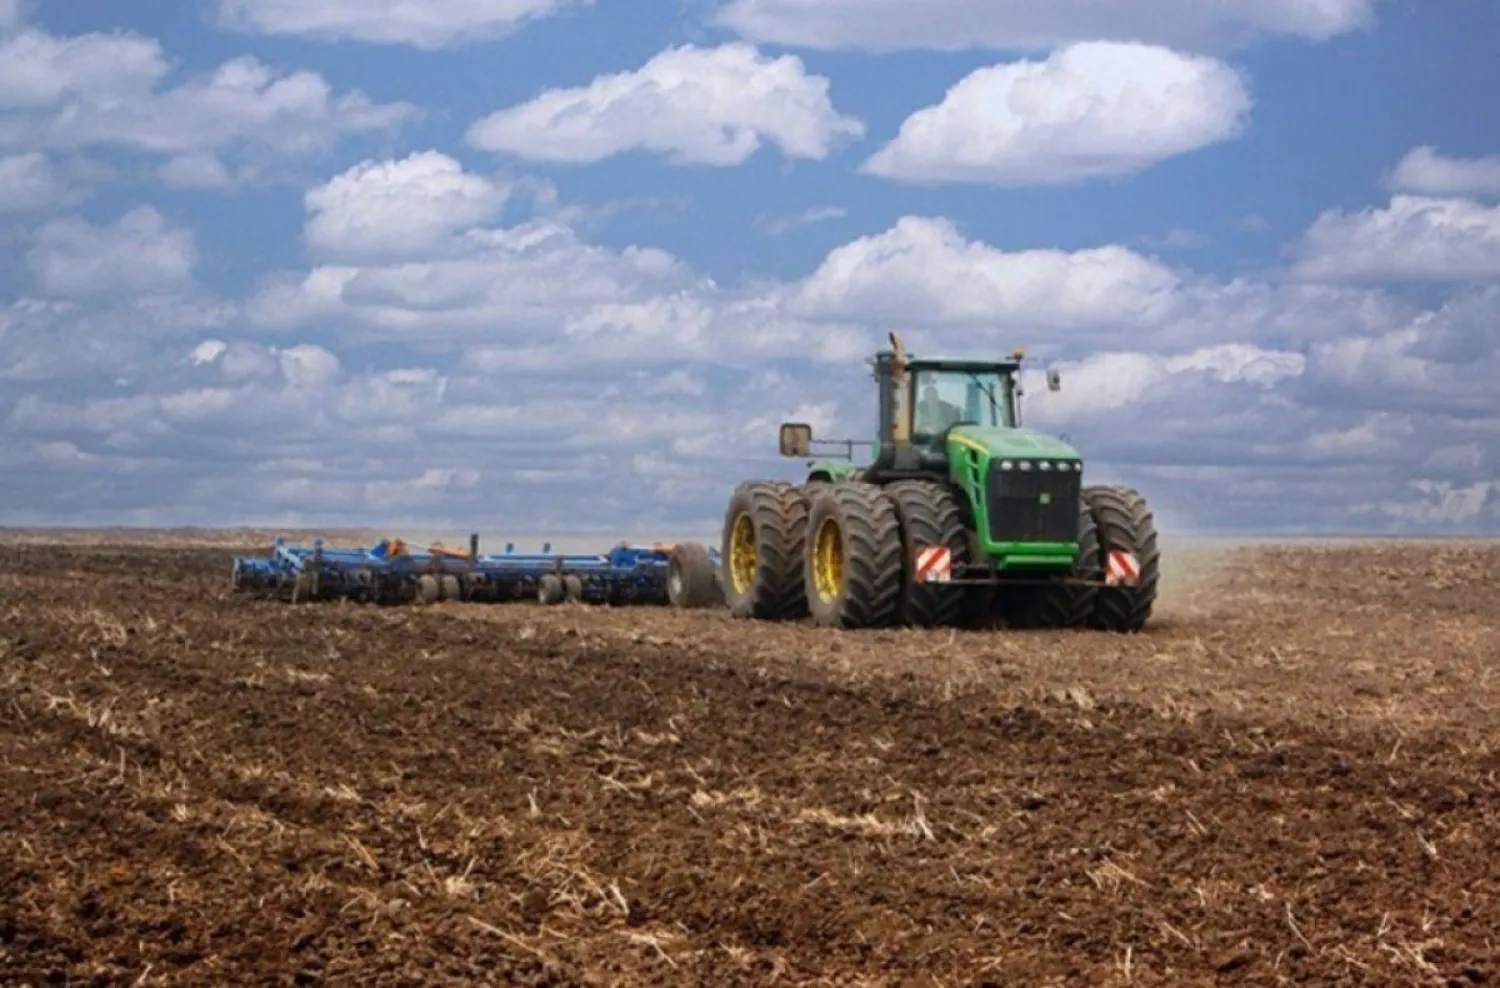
(1044, 466)
(1007, 465)
(1025, 465)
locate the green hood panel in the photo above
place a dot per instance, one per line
(1019, 444)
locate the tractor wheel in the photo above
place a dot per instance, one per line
(691, 582)
(1126, 525)
(549, 590)
(931, 518)
(1055, 604)
(854, 558)
(765, 529)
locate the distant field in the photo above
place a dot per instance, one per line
(1291, 777)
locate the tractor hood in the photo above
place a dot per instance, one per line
(1018, 444)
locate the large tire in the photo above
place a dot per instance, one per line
(692, 581)
(1054, 604)
(550, 591)
(1125, 523)
(931, 517)
(853, 564)
(765, 530)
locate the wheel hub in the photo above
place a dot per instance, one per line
(742, 561)
(828, 561)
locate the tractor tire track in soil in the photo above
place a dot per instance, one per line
(1290, 781)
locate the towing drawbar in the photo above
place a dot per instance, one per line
(392, 572)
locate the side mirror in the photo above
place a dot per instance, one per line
(1054, 379)
(796, 439)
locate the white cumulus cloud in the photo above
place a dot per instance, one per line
(524, 281)
(208, 351)
(30, 182)
(887, 25)
(38, 70)
(398, 209)
(428, 25)
(714, 106)
(1425, 171)
(98, 90)
(139, 253)
(1109, 380)
(242, 101)
(923, 271)
(1091, 110)
(1414, 238)
(1475, 506)
(196, 170)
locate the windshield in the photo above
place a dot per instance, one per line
(947, 397)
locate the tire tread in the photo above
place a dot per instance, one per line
(930, 515)
(873, 556)
(1125, 522)
(779, 512)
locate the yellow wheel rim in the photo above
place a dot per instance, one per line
(742, 562)
(828, 561)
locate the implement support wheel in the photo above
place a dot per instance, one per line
(692, 582)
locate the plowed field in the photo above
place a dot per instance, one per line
(1291, 778)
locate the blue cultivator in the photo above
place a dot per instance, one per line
(391, 572)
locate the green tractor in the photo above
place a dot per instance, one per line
(962, 519)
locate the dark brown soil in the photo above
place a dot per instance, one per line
(1290, 779)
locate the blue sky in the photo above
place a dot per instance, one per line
(521, 264)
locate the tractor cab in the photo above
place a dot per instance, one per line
(944, 394)
(926, 406)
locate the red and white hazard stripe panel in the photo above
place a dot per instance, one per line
(934, 565)
(1122, 569)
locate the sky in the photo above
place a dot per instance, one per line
(565, 265)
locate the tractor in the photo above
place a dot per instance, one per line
(963, 518)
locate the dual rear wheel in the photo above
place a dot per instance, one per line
(841, 553)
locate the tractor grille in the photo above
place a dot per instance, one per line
(1033, 505)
